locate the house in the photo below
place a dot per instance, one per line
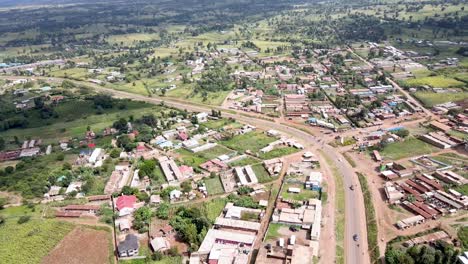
(124, 225)
(202, 117)
(214, 165)
(160, 244)
(314, 180)
(128, 247)
(170, 169)
(166, 230)
(54, 191)
(74, 186)
(175, 194)
(126, 204)
(155, 199)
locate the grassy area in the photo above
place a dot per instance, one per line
(349, 159)
(340, 210)
(249, 160)
(304, 195)
(214, 152)
(165, 260)
(218, 124)
(273, 233)
(458, 134)
(371, 220)
(429, 99)
(190, 158)
(31, 241)
(278, 152)
(435, 81)
(407, 148)
(261, 173)
(214, 208)
(253, 141)
(72, 123)
(213, 185)
(186, 93)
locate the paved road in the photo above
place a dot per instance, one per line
(354, 214)
(355, 222)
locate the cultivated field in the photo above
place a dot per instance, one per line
(82, 245)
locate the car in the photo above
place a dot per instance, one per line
(293, 228)
(355, 237)
(351, 187)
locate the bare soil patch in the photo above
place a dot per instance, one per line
(82, 245)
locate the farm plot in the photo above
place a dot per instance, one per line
(253, 141)
(82, 245)
(31, 241)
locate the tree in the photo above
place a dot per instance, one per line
(147, 168)
(120, 124)
(402, 133)
(115, 153)
(125, 143)
(163, 211)
(127, 190)
(2, 143)
(103, 100)
(3, 202)
(23, 219)
(186, 186)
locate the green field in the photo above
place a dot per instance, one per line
(72, 123)
(253, 141)
(429, 99)
(278, 152)
(261, 173)
(249, 160)
(435, 82)
(187, 94)
(273, 233)
(213, 185)
(29, 242)
(304, 195)
(407, 148)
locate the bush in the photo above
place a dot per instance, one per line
(23, 219)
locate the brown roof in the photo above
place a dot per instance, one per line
(166, 228)
(81, 207)
(67, 214)
(98, 197)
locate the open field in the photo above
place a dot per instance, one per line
(253, 141)
(429, 99)
(82, 245)
(213, 185)
(435, 82)
(304, 195)
(72, 123)
(278, 152)
(262, 173)
(186, 93)
(245, 161)
(407, 148)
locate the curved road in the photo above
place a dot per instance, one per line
(355, 223)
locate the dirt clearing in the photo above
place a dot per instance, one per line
(82, 245)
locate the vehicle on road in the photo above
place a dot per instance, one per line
(355, 237)
(351, 187)
(293, 228)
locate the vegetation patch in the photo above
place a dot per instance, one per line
(407, 148)
(30, 241)
(430, 99)
(214, 185)
(371, 220)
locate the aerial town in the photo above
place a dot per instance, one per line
(236, 141)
